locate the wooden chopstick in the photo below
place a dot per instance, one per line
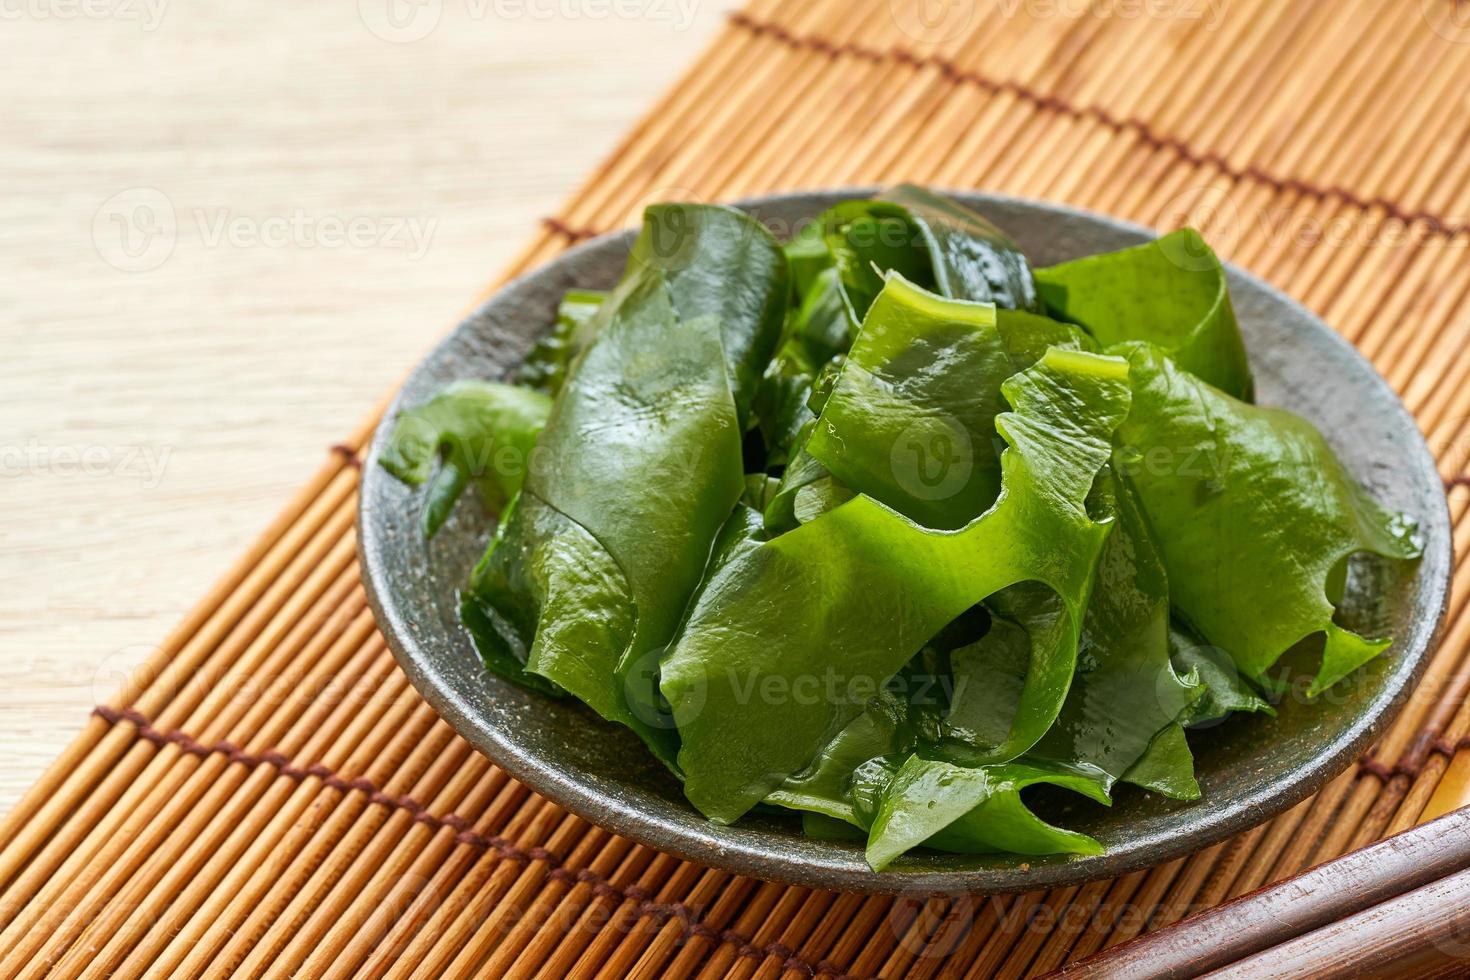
(1423, 933)
(1412, 888)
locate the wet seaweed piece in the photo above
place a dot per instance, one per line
(479, 433)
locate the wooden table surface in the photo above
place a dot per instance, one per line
(226, 229)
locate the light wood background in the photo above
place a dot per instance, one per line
(226, 230)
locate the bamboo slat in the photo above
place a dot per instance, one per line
(267, 796)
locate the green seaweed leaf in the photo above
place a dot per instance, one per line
(841, 264)
(719, 262)
(817, 332)
(929, 240)
(547, 590)
(479, 432)
(971, 258)
(884, 727)
(545, 367)
(639, 466)
(976, 810)
(1225, 690)
(1126, 691)
(1254, 516)
(1167, 767)
(787, 644)
(869, 240)
(807, 257)
(911, 418)
(1171, 292)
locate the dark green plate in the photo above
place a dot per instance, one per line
(1250, 768)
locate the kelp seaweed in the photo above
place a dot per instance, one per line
(884, 526)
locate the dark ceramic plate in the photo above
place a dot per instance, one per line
(1250, 768)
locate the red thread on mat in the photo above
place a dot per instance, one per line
(464, 833)
(1408, 767)
(348, 453)
(567, 231)
(1372, 767)
(1411, 764)
(1435, 223)
(1449, 747)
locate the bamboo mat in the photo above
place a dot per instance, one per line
(269, 797)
